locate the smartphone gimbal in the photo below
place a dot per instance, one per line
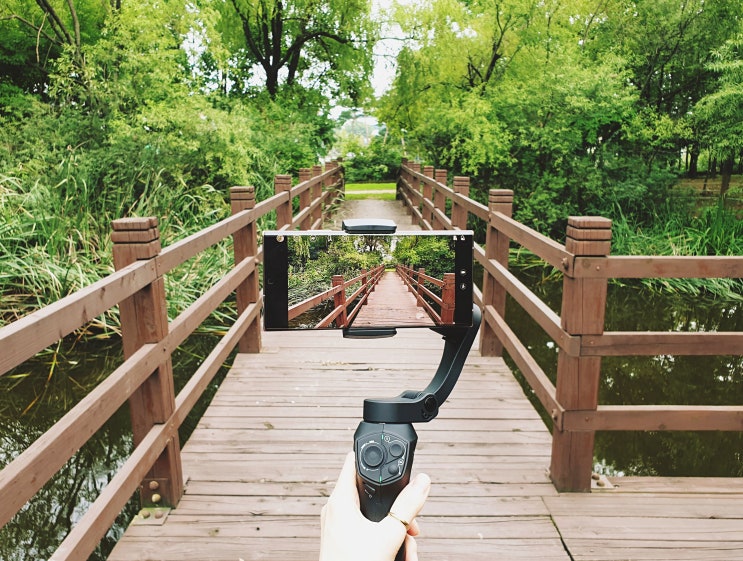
(385, 440)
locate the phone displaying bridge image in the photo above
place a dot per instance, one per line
(336, 280)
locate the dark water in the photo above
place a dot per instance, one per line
(37, 394)
(656, 380)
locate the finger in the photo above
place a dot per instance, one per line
(345, 487)
(411, 549)
(414, 528)
(412, 498)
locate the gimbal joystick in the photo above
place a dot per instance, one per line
(385, 440)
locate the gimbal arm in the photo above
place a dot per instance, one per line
(421, 406)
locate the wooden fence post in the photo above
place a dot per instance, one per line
(415, 186)
(245, 245)
(338, 177)
(402, 176)
(583, 311)
(144, 319)
(305, 198)
(339, 300)
(284, 212)
(458, 212)
(428, 171)
(496, 248)
(439, 199)
(420, 284)
(327, 182)
(447, 299)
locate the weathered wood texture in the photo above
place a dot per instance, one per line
(268, 450)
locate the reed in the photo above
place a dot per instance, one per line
(55, 240)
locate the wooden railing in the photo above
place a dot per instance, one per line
(426, 298)
(145, 377)
(579, 328)
(340, 313)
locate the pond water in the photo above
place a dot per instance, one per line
(38, 393)
(656, 380)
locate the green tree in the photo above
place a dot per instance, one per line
(34, 34)
(325, 45)
(720, 113)
(667, 46)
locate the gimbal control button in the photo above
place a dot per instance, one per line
(372, 455)
(396, 449)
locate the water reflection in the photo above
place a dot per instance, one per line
(37, 394)
(680, 380)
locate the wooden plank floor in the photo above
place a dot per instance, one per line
(267, 452)
(265, 455)
(391, 303)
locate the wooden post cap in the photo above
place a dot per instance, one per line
(496, 196)
(242, 193)
(588, 235)
(440, 176)
(138, 231)
(282, 183)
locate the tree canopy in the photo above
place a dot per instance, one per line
(580, 106)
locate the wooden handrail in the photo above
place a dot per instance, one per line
(131, 286)
(416, 281)
(367, 280)
(578, 330)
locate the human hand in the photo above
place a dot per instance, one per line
(347, 535)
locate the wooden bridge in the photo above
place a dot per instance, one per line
(251, 480)
(393, 303)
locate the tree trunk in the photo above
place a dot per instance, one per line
(726, 171)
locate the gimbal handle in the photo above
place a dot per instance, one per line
(421, 406)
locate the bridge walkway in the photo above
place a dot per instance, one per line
(266, 453)
(391, 303)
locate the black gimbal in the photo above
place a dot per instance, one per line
(385, 440)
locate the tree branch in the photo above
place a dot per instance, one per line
(38, 29)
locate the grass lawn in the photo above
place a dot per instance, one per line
(379, 191)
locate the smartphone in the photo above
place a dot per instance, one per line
(337, 280)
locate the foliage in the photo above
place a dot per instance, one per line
(134, 139)
(435, 254)
(579, 108)
(324, 45)
(379, 160)
(719, 114)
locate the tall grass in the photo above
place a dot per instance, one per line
(678, 232)
(53, 243)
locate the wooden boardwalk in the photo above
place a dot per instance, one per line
(267, 452)
(391, 303)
